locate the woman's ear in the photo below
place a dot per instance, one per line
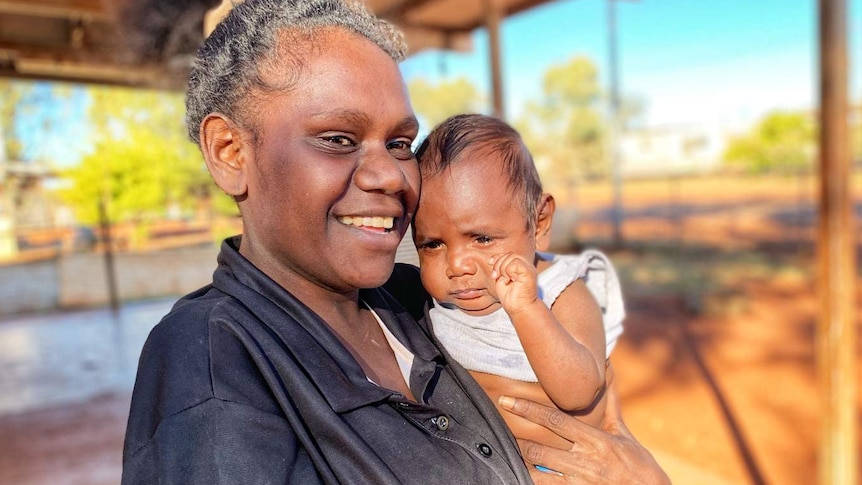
(225, 151)
(547, 206)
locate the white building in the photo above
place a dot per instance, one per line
(672, 149)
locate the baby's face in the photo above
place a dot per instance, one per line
(466, 215)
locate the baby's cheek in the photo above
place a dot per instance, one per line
(431, 278)
(485, 271)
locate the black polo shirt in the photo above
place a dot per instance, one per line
(242, 384)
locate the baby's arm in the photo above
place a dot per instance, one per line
(566, 347)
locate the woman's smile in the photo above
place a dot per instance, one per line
(376, 223)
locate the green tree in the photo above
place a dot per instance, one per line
(564, 129)
(141, 163)
(436, 102)
(781, 142)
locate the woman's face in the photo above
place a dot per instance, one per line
(334, 183)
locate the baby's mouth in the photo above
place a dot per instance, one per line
(467, 293)
(373, 222)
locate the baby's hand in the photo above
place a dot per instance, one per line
(515, 281)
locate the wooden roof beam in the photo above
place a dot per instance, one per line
(400, 9)
(419, 38)
(73, 9)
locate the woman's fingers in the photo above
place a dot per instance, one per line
(577, 467)
(551, 418)
(576, 461)
(618, 460)
(598, 456)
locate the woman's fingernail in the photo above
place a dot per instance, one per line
(506, 402)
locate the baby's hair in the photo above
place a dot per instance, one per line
(483, 136)
(257, 34)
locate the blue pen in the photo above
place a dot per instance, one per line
(547, 470)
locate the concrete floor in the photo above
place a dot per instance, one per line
(62, 358)
(65, 385)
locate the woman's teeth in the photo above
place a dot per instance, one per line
(377, 222)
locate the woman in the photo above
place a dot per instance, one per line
(297, 364)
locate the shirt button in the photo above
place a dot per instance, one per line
(442, 423)
(484, 449)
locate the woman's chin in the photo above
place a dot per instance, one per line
(373, 276)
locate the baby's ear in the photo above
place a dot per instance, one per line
(226, 153)
(545, 217)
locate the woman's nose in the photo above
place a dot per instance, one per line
(379, 171)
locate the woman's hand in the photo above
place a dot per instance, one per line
(610, 455)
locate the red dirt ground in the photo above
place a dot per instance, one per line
(716, 370)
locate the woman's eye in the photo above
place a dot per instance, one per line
(400, 149)
(339, 140)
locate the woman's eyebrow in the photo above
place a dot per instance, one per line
(348, 116)
(409, 123)
(359, 118)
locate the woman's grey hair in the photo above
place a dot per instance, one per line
(229, 64)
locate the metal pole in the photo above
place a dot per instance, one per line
(614, 131)
(838, 457)
(108, 253)
(493, 17)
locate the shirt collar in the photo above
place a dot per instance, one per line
(305, 336)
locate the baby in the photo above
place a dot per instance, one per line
(525, 323)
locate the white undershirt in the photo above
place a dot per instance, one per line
(402, 355)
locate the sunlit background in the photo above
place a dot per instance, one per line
(679, 136)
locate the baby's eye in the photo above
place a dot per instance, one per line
(484, 239)
(430, 245)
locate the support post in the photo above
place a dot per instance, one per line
(838, 454)
(493, 18)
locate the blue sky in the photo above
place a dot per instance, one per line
(703, 61)
(52, 128)
(692, 61)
